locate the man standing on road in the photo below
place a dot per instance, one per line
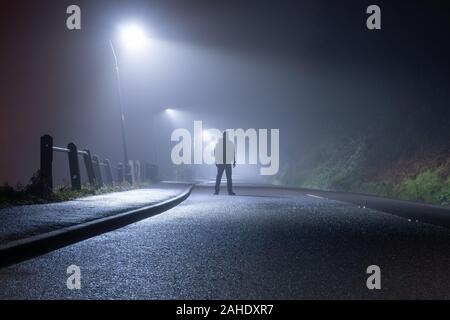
(225, 157)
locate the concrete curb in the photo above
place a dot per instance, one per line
(24, 249)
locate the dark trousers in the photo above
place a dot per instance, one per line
(220, 169)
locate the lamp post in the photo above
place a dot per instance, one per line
(133, 37)
(122, 116)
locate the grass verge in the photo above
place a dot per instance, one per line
(19, 195)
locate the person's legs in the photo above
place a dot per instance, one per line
(220, 168)
(228, 172)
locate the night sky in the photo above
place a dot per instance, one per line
(301, 66)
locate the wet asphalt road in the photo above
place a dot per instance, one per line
(258, 245)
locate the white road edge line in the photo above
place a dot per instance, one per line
(313, 196)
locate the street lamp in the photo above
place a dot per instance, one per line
(133, 38)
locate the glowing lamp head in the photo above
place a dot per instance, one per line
(133, 37)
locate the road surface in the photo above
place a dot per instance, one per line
(260, 244)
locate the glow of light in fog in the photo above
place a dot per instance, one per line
(170, 112)
(133, 37)
(206, 136)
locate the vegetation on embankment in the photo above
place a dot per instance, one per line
(431, 185)
(405, 158)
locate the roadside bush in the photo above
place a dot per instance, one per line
(428, 186)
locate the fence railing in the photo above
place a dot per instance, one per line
(97, 178)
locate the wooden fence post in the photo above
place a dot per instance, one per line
(137, 171)
(120, 172)
(74, 167)
(108, 173)
(89, 168)
(97, 171)
(130, 170)
(46, 172)
(143, 171)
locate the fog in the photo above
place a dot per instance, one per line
(304, 67)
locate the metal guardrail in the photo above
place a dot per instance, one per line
(140, 170)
